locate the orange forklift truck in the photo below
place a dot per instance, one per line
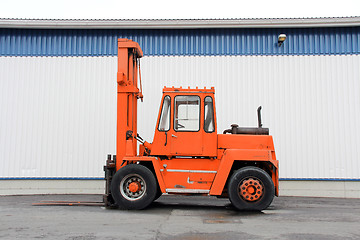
(187, 155)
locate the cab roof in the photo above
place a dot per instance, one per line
(188, 90)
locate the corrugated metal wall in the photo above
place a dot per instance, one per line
(236, 41)
(58, 115)
(310, 103)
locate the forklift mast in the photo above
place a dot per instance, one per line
(128, 93)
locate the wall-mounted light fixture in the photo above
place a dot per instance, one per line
(281, 39)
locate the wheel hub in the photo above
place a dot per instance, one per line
(251, 189)
(132, 187)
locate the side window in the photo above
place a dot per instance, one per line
(209, 125)
(187, 113)
(164, 123)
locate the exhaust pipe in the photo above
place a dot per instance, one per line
(235, 129)
(259, 117)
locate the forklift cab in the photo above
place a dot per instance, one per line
(186, 124)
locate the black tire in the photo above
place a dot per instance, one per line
(251, 189)
(133, 187)
(158, 193)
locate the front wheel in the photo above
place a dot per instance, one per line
(134, 187)
(251, 188)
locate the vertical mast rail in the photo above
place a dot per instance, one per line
(128, 93)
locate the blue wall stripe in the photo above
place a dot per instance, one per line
(52, 178)
(100, 178)
(93, 42)
(321, 179)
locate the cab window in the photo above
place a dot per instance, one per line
(209, 125)
(164, 123)
(187, 113)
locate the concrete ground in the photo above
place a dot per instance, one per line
(180, 217)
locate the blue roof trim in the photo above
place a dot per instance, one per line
(241, 41)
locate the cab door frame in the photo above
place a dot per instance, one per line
(186, 137)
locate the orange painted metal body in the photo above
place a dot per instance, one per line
(194, 161)
(128, 94)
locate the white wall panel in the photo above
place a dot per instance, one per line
(310, 103)
(58, 115)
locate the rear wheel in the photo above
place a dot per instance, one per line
(251, 188)
(134, 187)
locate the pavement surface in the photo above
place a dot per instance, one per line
(180, 217)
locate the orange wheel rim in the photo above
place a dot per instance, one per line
(251, 189)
